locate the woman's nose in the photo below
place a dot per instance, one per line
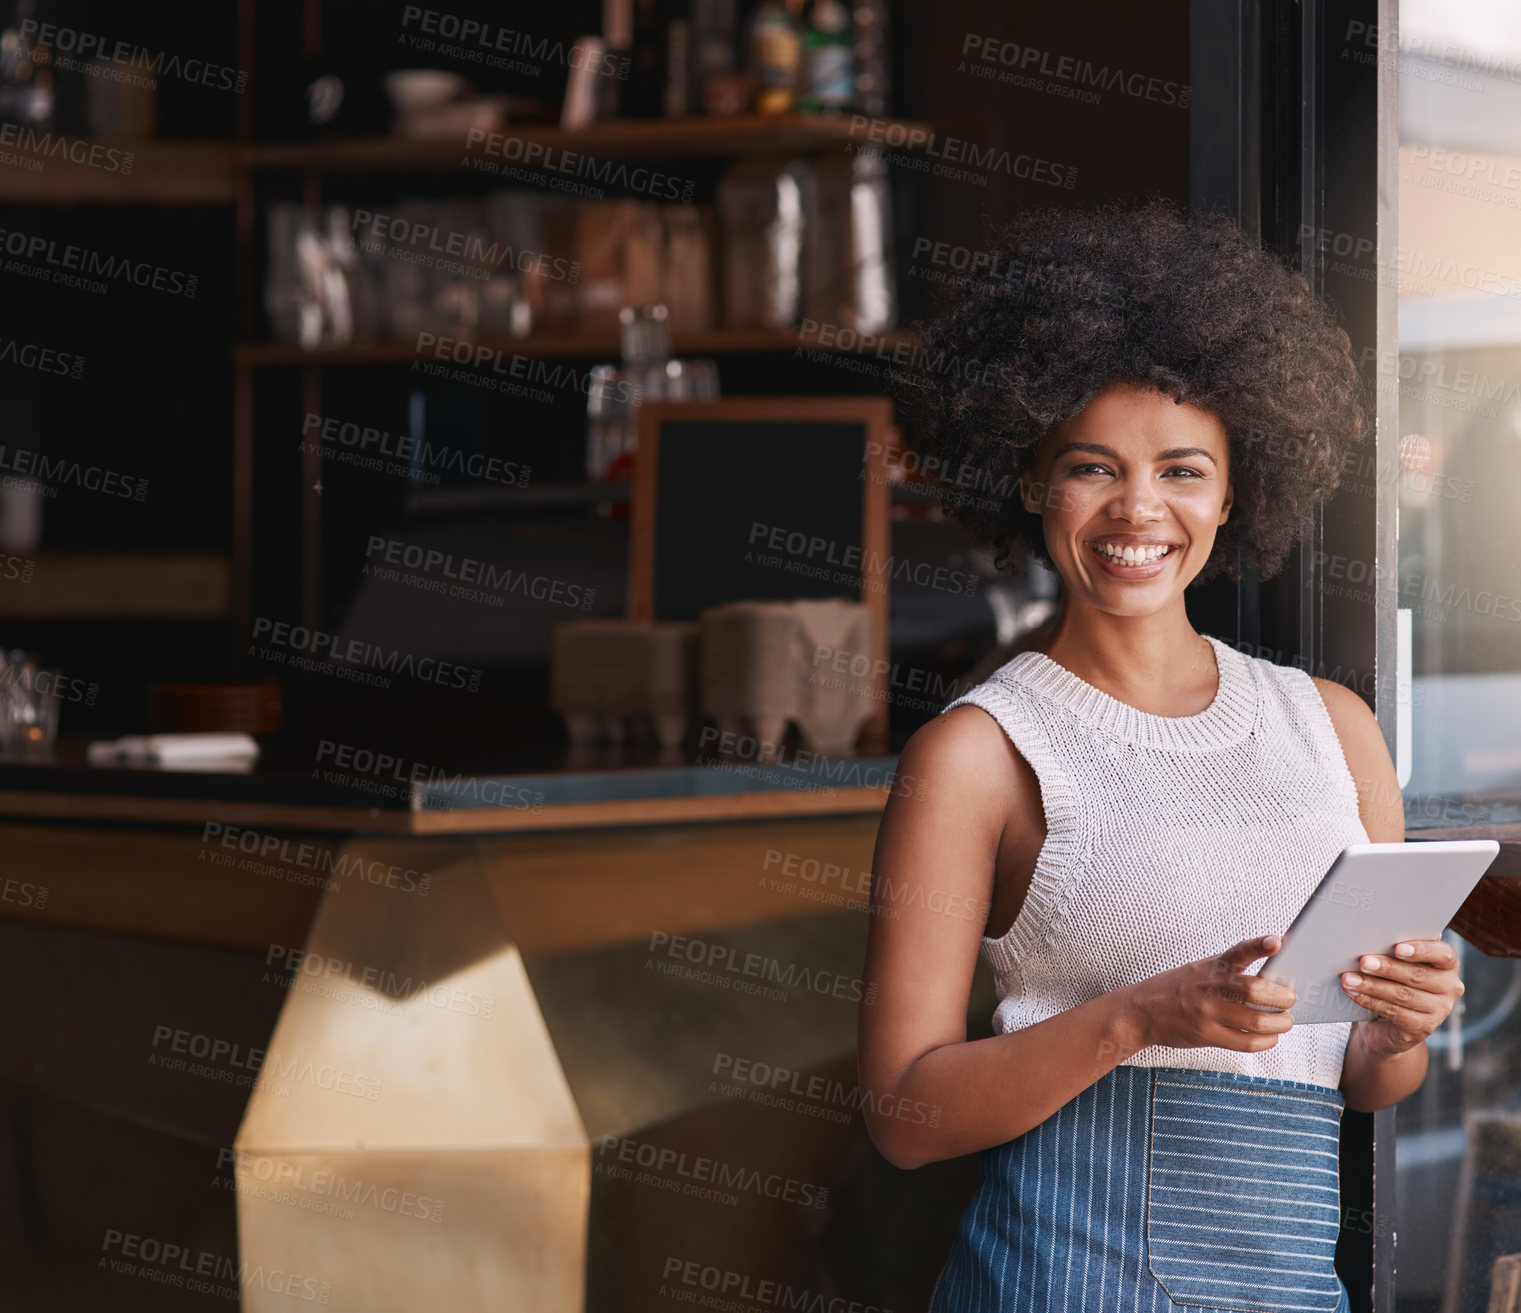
(1136, 499)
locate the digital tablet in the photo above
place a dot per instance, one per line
(1374, 896)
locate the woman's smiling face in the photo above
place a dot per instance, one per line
(1131, 490)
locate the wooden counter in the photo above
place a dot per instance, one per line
(459, 804)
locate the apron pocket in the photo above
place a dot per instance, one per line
(1242, 1193)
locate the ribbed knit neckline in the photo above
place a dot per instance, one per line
(1226, 720)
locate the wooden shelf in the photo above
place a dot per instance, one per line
(97, 586)
(166, 172)
(718, 341)
(690, 138)
(162, 172)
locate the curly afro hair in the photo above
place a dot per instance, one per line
(1070, 301)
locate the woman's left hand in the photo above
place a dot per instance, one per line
(1411, 991)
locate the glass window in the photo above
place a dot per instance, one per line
(1458, 1148)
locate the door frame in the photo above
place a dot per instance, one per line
(1294, 129)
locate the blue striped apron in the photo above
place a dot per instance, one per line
(1158, 1188)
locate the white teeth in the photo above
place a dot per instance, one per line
(1131, 555)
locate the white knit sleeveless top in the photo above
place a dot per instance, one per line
(1169, 839)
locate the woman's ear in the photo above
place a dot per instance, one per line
(1230, 494)
(1027, 495)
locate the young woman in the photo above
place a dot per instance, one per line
(1141, 809)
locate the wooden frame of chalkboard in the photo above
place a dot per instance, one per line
(764, 498)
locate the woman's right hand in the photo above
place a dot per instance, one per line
(1207, 1002)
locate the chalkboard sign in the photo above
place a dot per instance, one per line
(762, 499)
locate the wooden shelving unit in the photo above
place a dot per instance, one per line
(523, 148)
(221, 173)
(70, 586)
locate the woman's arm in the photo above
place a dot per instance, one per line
(1386, 1058)
(939, 851)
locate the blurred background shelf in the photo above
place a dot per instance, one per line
(113, 586)
(75, 171)
(158, 172)
(717, 341)
(696, 138)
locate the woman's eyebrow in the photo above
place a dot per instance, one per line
(1098, 449)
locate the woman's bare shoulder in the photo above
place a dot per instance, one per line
(963, 739)
(1380, 798)
(965, 753)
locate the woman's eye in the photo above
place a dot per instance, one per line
(1103, 469)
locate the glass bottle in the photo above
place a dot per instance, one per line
(614, 393)
(26, 81)
(828, 79)
(776, 55)
(871, 57)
